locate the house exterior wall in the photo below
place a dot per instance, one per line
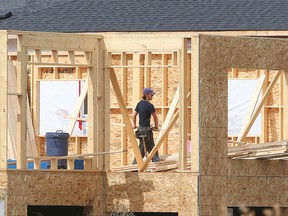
(223, 185)
(104, 192)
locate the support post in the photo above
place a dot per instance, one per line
(101, 110)
(92, 108)
(21, 140)
(195, 112)
(183, 109)
(3, 99)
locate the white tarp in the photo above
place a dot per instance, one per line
(240, 94)
(57, 100)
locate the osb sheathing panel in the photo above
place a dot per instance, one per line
(54, 188)
(217, 55)
(143, 192)
(3, 179)
(257, 183)
(257, 168)
(152, 192)
(257, 191)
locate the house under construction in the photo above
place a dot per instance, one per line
(205, 170)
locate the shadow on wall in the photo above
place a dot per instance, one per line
(129, 196)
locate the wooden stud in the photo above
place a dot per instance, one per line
(92, 108)
(148, 62)
(174, 58)
(71, 57)
(107, 113)
(3, 98)
(101, 114)
(78, 145)
(37, 163)
(137, 80)
(124, 90)
(195, 83)
(183, 111)
(164, 97)
(55, 56)
(36, 103)
(87, 164)
(54, 163)
(38, 56)
(56, 72)
(264, 113)
(70, 164)
(21, 140)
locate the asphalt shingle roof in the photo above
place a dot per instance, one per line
(147, 15)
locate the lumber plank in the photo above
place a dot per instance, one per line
(183, 111)
(124, 90)
(21, 140)
(101, 113)
(264, 112)
(3, 99)
(126, 118)
(164, 96)
(92, 108)
(195, 110)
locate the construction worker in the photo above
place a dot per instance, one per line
(145, 132)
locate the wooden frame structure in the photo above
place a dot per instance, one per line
(213, 181)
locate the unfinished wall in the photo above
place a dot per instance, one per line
(104, 192)
(217, 54)
(55, 188)
(163, 80)
(257, 183)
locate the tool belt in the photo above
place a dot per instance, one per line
(142, 132)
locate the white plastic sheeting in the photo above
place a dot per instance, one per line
(57, 102)
(240, 94)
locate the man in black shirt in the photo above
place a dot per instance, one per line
(145, 109)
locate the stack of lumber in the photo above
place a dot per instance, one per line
(270, 151)
(168, 163)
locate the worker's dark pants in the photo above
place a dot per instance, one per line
(149, 143)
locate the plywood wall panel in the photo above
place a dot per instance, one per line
(160, 192)
(257, 168)
(215, 147)
(150, 192)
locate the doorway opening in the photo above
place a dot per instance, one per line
(55, 210)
